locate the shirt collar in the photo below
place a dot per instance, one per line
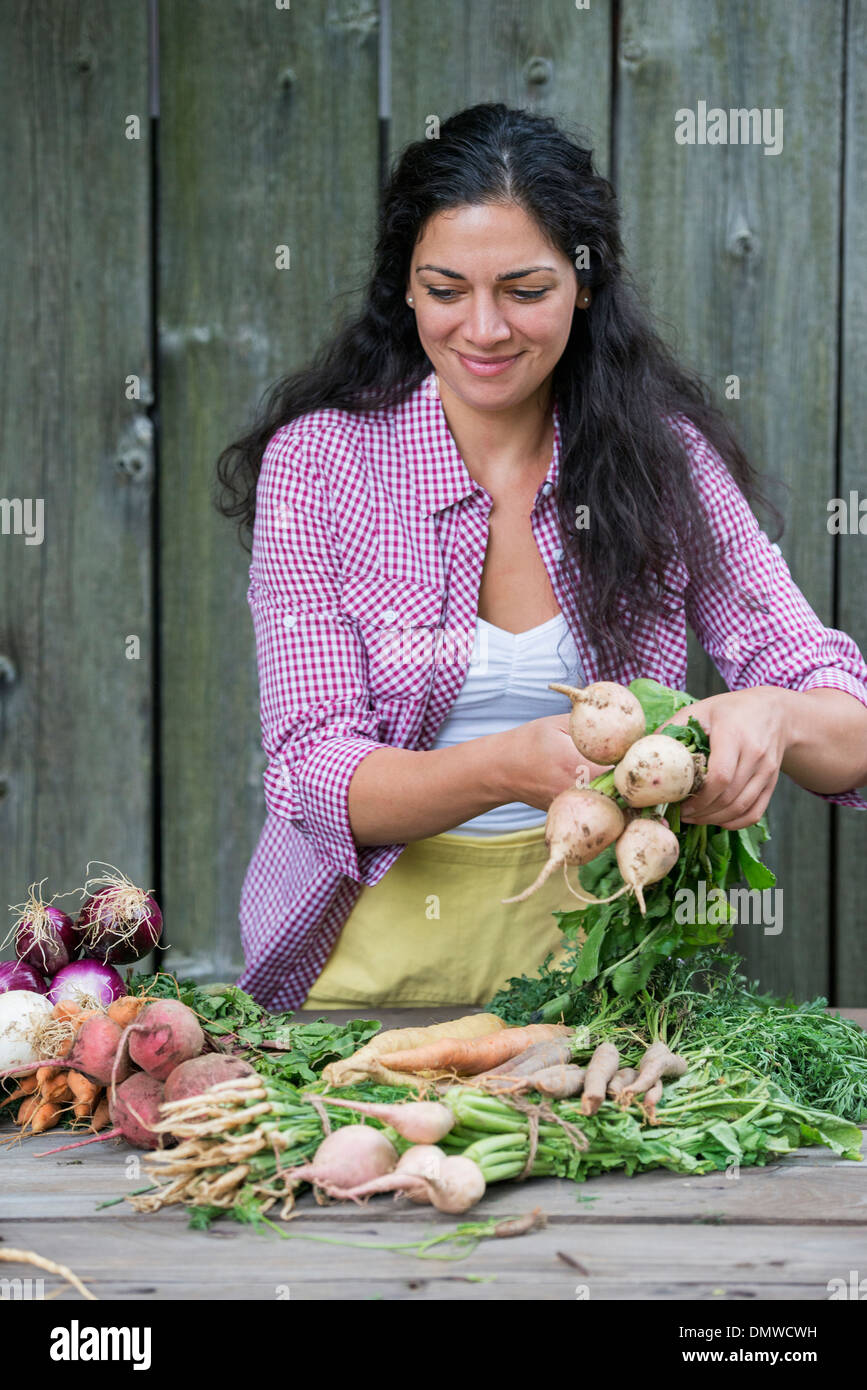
(440, 475)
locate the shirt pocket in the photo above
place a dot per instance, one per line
(399, 621)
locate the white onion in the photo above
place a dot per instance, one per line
(22, 1014)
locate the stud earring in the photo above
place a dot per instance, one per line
(409, 300)
(585, 299)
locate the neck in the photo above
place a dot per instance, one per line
(501, 443)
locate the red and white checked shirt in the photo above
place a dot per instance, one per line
(369, 541)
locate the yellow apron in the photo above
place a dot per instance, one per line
(433, 930)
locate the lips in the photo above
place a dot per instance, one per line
(487, 366)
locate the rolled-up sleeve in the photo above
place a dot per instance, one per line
(316, 714)
(771, 635)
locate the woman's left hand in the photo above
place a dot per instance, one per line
(748, 740)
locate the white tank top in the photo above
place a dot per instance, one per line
(507, 685)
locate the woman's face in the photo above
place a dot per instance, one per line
(493, 335)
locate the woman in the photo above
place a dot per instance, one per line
(494, 478)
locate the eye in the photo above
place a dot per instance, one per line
(523, 296)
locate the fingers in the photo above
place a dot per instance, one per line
(743, 808)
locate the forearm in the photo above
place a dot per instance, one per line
(398, 795)
(827, 741)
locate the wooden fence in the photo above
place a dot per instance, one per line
(152, 163)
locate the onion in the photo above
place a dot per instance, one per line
(14, 974)
(45, 936)
(22, 1016)
(118, 923)
(89, 983)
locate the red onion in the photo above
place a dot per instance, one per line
(118, 923)
(46, 939)
(14, 974)
(88, 983)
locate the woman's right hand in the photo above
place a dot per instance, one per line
(540, 761)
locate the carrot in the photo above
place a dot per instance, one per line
(658, 1061)
(600, 1069)
(28, 1084)
(67, 1009)
(620, 1079)
(46, 1116)
(82, 1087)
(44, 1074)
(57, 1089)
(125, 1010)
(559, 1082)
(82, 1109)
(27, 1109)
(101, 1117)
(651, 1097)
(366, 1061)
(473, 1055)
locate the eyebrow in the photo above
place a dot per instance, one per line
(507, 275)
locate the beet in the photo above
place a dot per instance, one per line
(135, 1110)
(165, 1034)
(199, 1073)
(94, 1051)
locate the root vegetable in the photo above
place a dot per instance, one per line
(15, 974)
(422, 1122)
(652, 1097)
(580, 824)
(22, 1016)
(165, 1034)
(656, 769)
(126, 1009)
(620, 1079)
(451, 1184)
(365, 1062)
(198, 1074)
(421, 1162)
(600, 1069)
(45, 1116)
(606, 720)
(657, 1062)
(559, 1082)
(135, 1110)
(475, 1055)
(347, 1158)
(118, 923)
(45, 937)
(82, 1087)
(458, 1187)
(27, 1109)
(88, 983)
(101, 1116)
(646, 851)
(535, 1058)
(96, 1050)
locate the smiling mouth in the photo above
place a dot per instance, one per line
(487, 361)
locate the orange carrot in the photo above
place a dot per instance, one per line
(57, 1088)
(82, 1087)
(101, 1117)
(68, 1009)
(46, 1116)
(44, 1074)
(27, 1109)
(82, 1109)
(28, 1084)
(473, 1055)
(125, 1010)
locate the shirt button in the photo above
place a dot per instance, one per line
(547, 489)
(558, 555)
(389, 616)
(290, 620)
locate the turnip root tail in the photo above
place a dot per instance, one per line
(547, 870)
(588, 898)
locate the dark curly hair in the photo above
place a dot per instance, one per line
(614, 384)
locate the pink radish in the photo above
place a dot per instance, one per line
(657, 769)
(452, 1184)
(606, 720)
(414, 1169)
(419, 1121)
(581, 823)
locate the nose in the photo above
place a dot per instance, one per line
(485, 324)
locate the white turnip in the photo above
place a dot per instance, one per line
(657, 769)
(606, 720)
(419, 1121)
(23, 1015)
(646, 851)
(581, 823)
(346, 1159)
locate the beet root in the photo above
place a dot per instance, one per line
(165, 1034)
(135, 1110)
(198, 1074)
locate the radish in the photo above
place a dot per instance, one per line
(198, 1074)
(419, 1121)
(606, 720)
(451, 1184)
(45, 937)
(14, 974)
(346, 1159)
(165, 1034)
(118, 923)
(87, 983)
(581, 822)
(658, 769)
(23, 1015)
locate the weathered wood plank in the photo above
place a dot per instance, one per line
(650, 1261)
(269, 138)
(75, 689)
(851, 550)
(545, 57)
(720, 236)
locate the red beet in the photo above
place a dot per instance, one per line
(195, 1076)
(135, 1110)
(165, 1034)
(95, 1050)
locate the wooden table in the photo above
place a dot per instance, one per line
(780, 1232)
